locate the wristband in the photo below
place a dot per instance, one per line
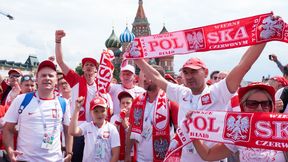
(71, 153)
(57, 41)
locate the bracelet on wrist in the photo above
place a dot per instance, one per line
(69, 153)
(58, 41)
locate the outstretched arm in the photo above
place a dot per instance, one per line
(153, 74)
(73, 129)
(217, 152)
(234, 78)
(59, 34)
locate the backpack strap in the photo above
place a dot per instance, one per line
(62, 104)
(28, 97)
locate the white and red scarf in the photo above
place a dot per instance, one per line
(160, 128)
(231, 34)
(103, 79)
(256, 130)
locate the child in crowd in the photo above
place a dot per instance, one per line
(121, 121)
(102, 142)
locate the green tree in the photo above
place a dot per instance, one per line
(78, 69)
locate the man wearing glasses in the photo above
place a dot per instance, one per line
(27, 84)
(13, 80)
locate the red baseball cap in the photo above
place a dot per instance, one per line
(89, 59)
(98, 101)
(46, 63)
(194, 63)
(281, 80)
(14, 71)
(124, 94)
(257, 85)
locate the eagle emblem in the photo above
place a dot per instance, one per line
(195, 40)
(271, 28)
(237, 128)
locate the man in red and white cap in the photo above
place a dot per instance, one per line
(39, 120)
(127, 76)
(81, 86)
(102, 142)
(14, 79)
(196, 95)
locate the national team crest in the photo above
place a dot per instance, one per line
(237, 127)
(195, 39)
(160, 147)
(137, 116)
(271, 28)
(206, 99)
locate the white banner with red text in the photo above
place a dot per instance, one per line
(256, 130)
(105, 72)
(231, 34)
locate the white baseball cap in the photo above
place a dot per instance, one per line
(128, 68)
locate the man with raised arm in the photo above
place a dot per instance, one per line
(196, 95)
(84, 85)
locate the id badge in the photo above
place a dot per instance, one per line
(147, 132)
(47, 141)
(100, 150)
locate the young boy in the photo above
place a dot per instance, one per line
(121, 121)
(102, 142)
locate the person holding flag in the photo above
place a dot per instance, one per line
(256, 97)
(85, 86)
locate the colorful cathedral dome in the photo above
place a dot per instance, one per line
(113, 41)
(126, 36)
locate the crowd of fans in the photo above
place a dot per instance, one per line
(57, 115)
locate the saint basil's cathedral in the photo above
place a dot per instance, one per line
(140, 27)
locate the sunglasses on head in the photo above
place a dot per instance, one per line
(14, 76)
(26, 78)
(254, 104)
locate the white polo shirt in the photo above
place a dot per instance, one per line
(214, 97)
(31, 127)
(114, 91)
(99, 141)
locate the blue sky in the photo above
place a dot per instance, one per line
(88, 23)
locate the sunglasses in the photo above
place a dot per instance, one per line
(26, 78)
(14, 76)
(254, 104)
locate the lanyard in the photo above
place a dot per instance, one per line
(43, 118)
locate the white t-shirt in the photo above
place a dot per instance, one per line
(31, 127)
(114, 91)
(91, 93)
(99, 141)
(214, 97)
(256, 154)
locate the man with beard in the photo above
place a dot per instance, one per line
(81, 86)
(196, 95)
(149, 123)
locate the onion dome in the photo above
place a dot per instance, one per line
(126, 36)
(113, 41)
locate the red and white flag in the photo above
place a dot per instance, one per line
(231, 34)
(256, 130)
(105, 72)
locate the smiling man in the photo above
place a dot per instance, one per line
(39, 120)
